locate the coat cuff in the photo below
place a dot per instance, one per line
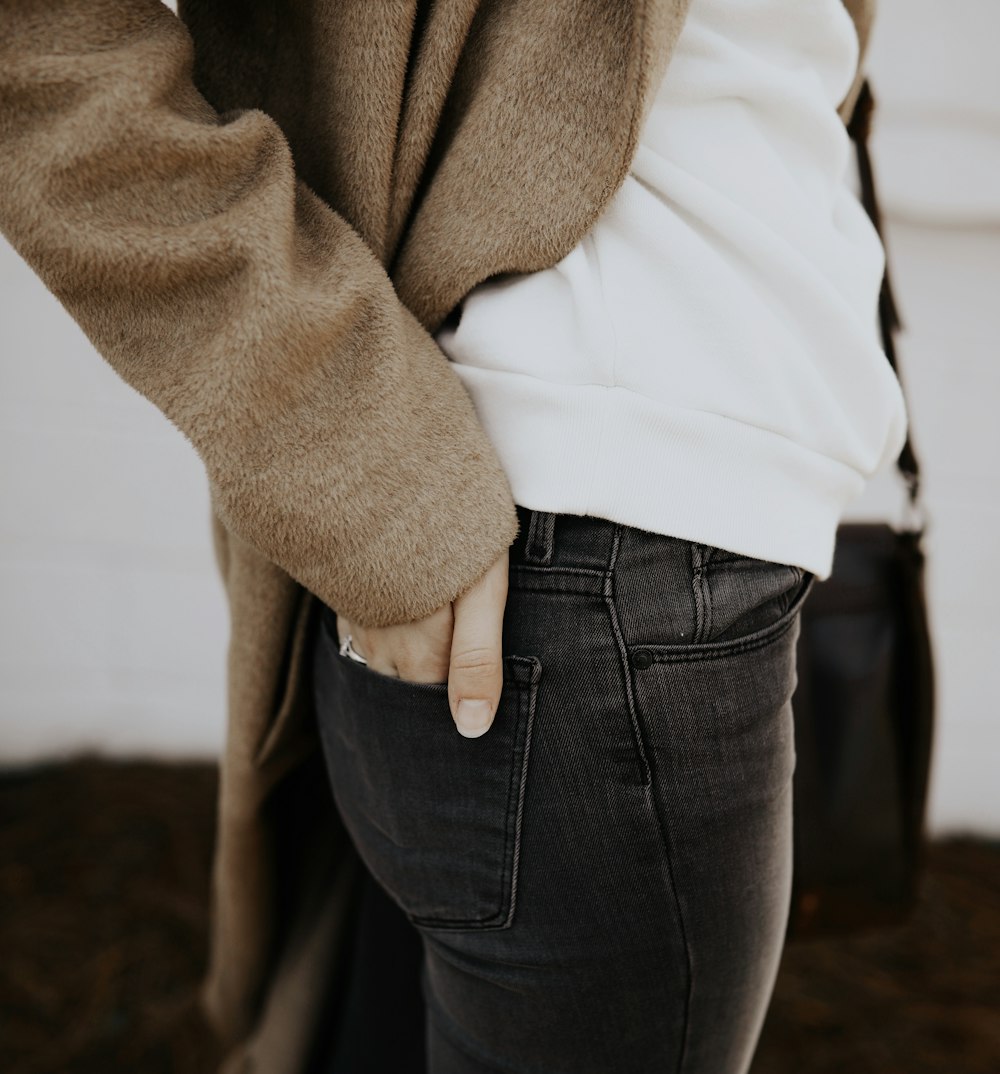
(337, 440)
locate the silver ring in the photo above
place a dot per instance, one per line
(347, 649)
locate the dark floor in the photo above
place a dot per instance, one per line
(103, 882)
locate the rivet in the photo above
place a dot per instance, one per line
(642, 658)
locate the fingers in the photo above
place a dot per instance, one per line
(475, 675)
(474, 622)
(417, 652)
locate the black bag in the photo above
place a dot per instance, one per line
(864, 703)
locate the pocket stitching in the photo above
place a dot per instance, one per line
(709, 650)
(525, 690)
(702, 590)
(502, 912)
(521, 674)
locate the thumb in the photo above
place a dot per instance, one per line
(475, 674)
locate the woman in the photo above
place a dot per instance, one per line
(686, 401)
(621, 222)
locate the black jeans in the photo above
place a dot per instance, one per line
(601, 882)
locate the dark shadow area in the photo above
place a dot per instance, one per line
(104, 890)
(104, 872)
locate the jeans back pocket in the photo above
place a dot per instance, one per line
(434, 816)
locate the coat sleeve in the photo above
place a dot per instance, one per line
(336, 438)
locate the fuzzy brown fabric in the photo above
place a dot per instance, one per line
(259, 213)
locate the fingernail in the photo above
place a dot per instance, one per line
(473, 718)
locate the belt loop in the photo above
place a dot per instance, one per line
(539, 544)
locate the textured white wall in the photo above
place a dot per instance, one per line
(112, 618)
(936, 149)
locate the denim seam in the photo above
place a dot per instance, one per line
(702, 594)
(528, 693)
(506, 880)
(706, 575)
(798, 573)
(651, 803)
(538, 546)
(609, 597)
(506, 877)
(689, 971)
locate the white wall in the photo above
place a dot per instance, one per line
(112, 618)
(936, 150)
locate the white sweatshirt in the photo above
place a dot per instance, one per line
(706, 363)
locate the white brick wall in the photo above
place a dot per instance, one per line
(112, 618)
(112, 621)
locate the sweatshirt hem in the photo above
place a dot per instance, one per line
(609, 452)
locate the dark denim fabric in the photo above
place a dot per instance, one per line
(600, 883)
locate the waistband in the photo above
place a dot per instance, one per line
(583, 542)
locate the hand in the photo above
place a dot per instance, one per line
(460, 643)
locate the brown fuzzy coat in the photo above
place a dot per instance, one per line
(260, 213)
